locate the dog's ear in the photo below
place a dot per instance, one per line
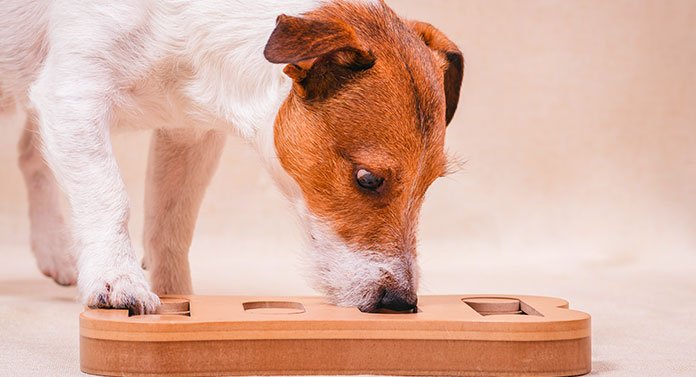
(321, 54)
(454, 67)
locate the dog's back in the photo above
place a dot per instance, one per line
(23, 46)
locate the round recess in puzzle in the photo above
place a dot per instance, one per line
(273, 307)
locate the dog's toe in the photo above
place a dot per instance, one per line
(124, 292)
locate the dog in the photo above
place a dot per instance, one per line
(346, 102)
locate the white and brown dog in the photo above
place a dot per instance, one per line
(346, 102)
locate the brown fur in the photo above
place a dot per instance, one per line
(454, 62)
(372, 95)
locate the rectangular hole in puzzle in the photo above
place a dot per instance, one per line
(486, 306)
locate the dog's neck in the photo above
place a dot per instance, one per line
(224, 42)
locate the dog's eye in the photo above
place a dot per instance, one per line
(368, 180)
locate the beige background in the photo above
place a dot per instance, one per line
(578, 125)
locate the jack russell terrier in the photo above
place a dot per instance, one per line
(346, 103)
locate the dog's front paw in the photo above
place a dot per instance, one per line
(59, 267)
(121, 290)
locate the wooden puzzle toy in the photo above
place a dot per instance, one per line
(464, 335)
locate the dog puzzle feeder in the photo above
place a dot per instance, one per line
(467, 335)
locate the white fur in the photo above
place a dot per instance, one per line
(85, 67)
(351, 277)
(51, 242)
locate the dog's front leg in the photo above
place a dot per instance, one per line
(182, 162)
(50, 238)
(73, 102)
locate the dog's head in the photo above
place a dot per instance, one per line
(362, 134)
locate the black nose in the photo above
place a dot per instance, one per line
(395, 301)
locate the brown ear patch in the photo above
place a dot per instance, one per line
(297, 39)
(322, 54)
(454, 69)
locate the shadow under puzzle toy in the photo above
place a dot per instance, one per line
(470, 335)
